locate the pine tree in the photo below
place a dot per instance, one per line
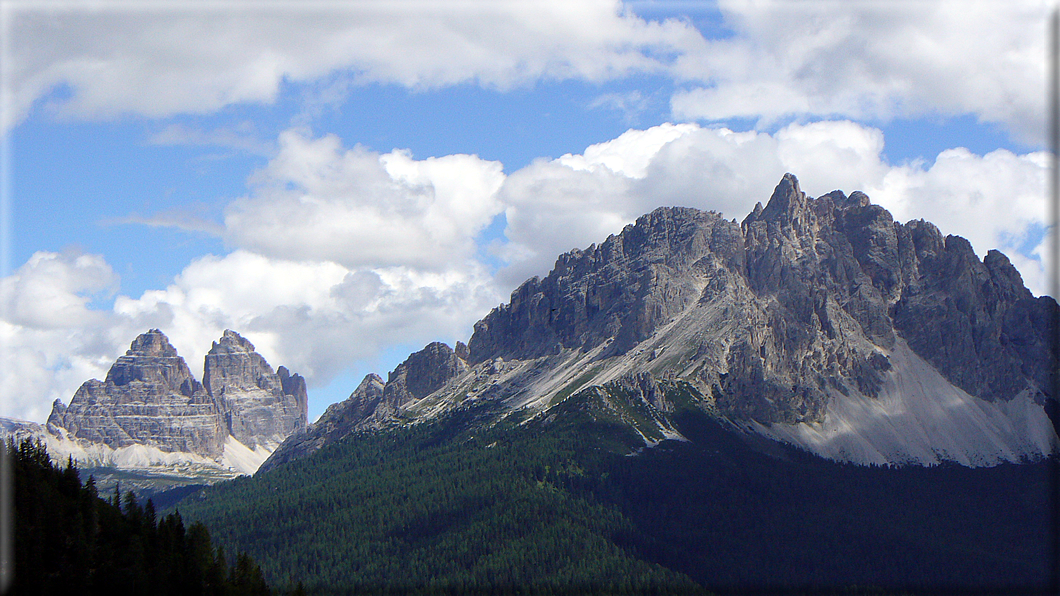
(68, 540)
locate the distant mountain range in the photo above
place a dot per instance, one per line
(816, 398)
(151, 416)
(820, 323)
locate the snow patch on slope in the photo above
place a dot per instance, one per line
(921, 418)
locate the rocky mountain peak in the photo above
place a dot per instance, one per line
(787, 202)
(231, 342)
(232, 364)
(620, 290)
(260, 405)
(151, 398)
(857, 199)
(428, 370)
(371, 385)
(152, 359)
(154, 343)
(294, 385)
(834, 276)
(421, 374)
(808, 308)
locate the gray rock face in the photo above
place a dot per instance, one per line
(810, 291)
(645, 387)
(975, 321)
(254, 400)
(623, 289)
(339, 420)
(151, 398)
(805, 301)
(421, 374)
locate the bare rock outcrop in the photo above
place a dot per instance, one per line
(149, 397)
(421, 374)
(256, 404)
(805, 304)
(339, 420)
(623, 289)
(804, 296)
(375, 402)
(974, 320)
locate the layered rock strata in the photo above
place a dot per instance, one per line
(257, 406)
(150, 397)
(804, 296)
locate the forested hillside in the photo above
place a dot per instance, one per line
(68, 540)
(568, 503)
(436, 507)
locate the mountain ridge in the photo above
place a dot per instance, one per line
(151, 424)
(779, 323)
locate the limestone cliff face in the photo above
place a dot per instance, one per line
(421, 374)
(808, 307)
(339, 420)
(803, 297)
(256, 404)
(975, 321)
(620, 291)
(151, 398)
(375, 402)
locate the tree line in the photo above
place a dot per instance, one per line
(69, 539)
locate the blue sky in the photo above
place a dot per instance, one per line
(343, 183)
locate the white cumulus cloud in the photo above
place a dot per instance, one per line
(874, 60)
(779, 59)
(115, 58)
(319, 200)
(50, 338)
(997, 200)
(52, 290)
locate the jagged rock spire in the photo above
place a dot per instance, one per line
(150, 397)
(257, 407)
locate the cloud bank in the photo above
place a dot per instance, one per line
(317, 200)
(778, 60)
(874, 60)
(161, 59)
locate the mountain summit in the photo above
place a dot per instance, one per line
(150, 411)
(820, 322)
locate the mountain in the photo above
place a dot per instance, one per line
(150, 422)
(148, 398)
(259, 407)
(822, 323)
(649, 416)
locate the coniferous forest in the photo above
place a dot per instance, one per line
(568, 504)
(70, 540)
